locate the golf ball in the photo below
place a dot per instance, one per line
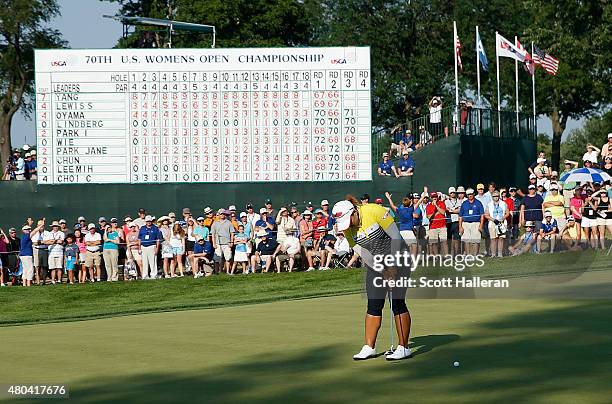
(456, 364)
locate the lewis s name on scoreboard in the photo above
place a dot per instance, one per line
(203, 115)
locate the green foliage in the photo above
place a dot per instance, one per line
(595, 131)
(544, 143)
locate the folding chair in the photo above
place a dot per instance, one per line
(340, 261)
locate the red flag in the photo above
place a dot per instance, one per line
(528, 63)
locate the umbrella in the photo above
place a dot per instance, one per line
(585, 175)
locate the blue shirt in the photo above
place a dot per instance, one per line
(399, 135)
(548, 227)
(205, 248)
(533, 208)
(406, 220)
(241, 247)
(149, 237)
(201, 231)
(405, 164)
(470, 212)
(386, 167)
(484, 199)
(111, 235)
(25, 249)
(260, 223)
(417, 221)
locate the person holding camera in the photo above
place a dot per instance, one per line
(435, 116)
(496, 213)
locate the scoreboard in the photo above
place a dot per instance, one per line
(203, 115)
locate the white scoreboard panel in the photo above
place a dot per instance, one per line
(203, 115)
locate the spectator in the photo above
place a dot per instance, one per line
(83, 223)
(435, 116)
(541, 155)
(591, 154)
(496, 213)
(285, 224)
(548, 232)
(163, 224)
(365, 199)
(79, 239)
(177, 244)
(112, 238)
(405, 165)
(526, 242)
(307, 237)
(186, 214)
(425, 137)
(93, 260)
(603, 209)
(452, 208)
(14, 247)
(343, 249)
(531, 209)
(55, 242)
(317, 223)
(265, 252)
(607, 166)
(269, 208)
(150, 240)
(71, 254)
(265, 222)
(248, 231)
(589, 219)
(471, 222)
(4, 248)
(140, 220)
(209, 219)
(406, 215)
(606, 149)
(409, 142)
(541, 170)
(64, 227)
(398, 141)
(485, 199)
(240, 254)
(322, 247)
(576, 203)
(570, 235)
(465, 108)
(288, 251)
(588, 164)
(437, 236)
(386, 167)
(222, 233)
(203, 252)
(20, 166)
(31, 166)
(26, 251)
(568, 187)
(252, 217)
(133, 246)
(555, 203)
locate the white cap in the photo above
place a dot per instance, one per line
(91, 226)
(263, 210)
(243, 214)
(342, 212)
(148, 218)
(307, 212)
(547, 213)
(540, 160)
(81, 218)
(26, 227)
(469, 191)
(451, 190)
(460, 189)
(324, 202)
(532, 176)
(232, 207)
(385, 154)
(261, 233)
(609, 135)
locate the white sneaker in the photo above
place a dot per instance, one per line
(310, 269)
(3, 284)
(366, 353)
(399, 354)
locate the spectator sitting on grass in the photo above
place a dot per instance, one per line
(548, 232)
(265, 252)
(203, 252)
(288, 250)
(526, 241)
(570, 235)
(386, 167)
(405, 165)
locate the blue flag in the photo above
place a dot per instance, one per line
(484, 62)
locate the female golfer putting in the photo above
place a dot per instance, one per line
(373, 234)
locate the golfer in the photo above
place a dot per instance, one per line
(372, 233)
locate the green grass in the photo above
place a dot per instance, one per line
(536, 351)
(76, 302)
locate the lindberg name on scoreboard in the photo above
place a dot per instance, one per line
(174, 59)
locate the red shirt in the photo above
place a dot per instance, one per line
(316, 224)
(439, 220)
(510, 205)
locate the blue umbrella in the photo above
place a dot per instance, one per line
(585, 175)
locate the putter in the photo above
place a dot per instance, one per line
(391, 321)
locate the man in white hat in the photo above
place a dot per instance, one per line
(265, 252)
(26, 251)
(93, 257)
(452, 207)
(471, 223)
(55, 241)
(548, 232)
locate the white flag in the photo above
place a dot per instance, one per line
(507, 49)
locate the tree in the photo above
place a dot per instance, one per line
(22, 29)
(578, 34)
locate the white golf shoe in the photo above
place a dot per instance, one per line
(366, 353)
(399, 354)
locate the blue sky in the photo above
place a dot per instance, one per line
(82, 25)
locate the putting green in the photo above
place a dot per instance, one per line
(285, 351)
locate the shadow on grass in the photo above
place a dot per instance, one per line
(560, 355)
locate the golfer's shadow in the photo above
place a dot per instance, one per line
(426, 343)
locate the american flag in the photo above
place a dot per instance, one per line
(458, 50)
(549, 63)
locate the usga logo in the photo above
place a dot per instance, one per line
(58, 63)
(338, 61)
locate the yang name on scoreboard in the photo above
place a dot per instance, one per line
(203, 115)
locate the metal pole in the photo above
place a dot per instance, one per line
(516, 93)
(533, 95)
(456, 73)
(478, 65)
(498, 96)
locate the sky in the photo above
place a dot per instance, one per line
(82, 25)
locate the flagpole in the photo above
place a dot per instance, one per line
(456, 74)
(533, 95)
(498, 96)
(516, 93)
(478, 65)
